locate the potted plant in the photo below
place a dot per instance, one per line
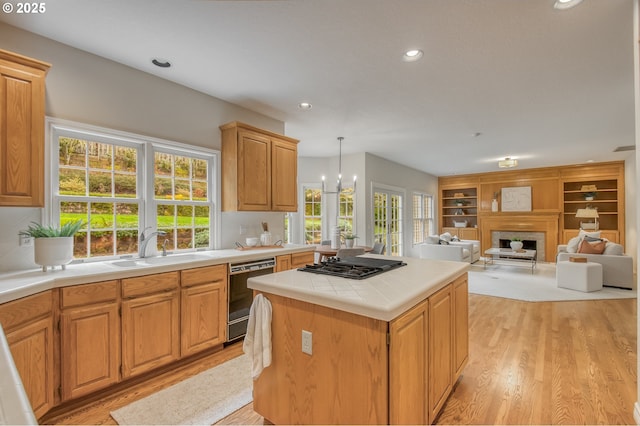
(589, 196)
(460, 202)
(52, 245)
(516, 244)
(349, 239)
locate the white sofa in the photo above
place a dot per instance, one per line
(617, 270)
(461, 251)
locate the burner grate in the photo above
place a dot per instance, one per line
(354, 268)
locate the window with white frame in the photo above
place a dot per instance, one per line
(181, 191)
(97, 177)
(312, 215)
(346, 211)
(288, 218)
(422, 217)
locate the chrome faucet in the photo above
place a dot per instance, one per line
(144, 240)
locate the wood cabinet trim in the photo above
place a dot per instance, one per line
(149, 284)
(22, 311)
(207, 274)
(86, 294)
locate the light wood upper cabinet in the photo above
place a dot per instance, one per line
(204, 308)
(22, 110)
(90, 338)
(150, 322)
(28, 325)
(259, 169)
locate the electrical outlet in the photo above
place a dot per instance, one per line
(307, 342)
(25, 240)
(243, 229)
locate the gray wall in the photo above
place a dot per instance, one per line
(89, 89)
(370, 170)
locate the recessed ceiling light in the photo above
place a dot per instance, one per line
(161, 63)
(412, 55)
(305, 105)
(566, 4)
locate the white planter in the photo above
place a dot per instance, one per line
(53, 251)
(349, 243)
(516, 245)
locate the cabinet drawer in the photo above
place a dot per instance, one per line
(299, 260)
(22, 311)
(147, 284)
(208, 274)
(86, 294)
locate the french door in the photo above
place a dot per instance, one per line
(387, 220)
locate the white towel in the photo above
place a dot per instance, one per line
(257, 342)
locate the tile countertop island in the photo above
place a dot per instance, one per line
(383, 350)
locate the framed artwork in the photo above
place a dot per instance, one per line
(516, 199)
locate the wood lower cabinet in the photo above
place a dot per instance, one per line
(150, 322)
(259, 169)
(298, 260)
(294, 260)
(204, 308)
(283, 263)
(460, 290)
(409, 381)
(28, 325)
(89, 338)
(440, 349)
(22, 111)
(363, 370)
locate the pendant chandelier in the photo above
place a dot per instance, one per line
(339, 181)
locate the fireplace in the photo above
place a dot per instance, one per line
(530, 241)
(539, 227)
(526, 244)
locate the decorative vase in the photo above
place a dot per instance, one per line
(265, 238)
(494, 205)
(590, 198)
(348, 242)
(516, 245)
(53, 251)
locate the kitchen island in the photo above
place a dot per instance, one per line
(383, 350)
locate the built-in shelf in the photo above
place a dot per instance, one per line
(605, 201)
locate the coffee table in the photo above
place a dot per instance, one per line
(510, 256)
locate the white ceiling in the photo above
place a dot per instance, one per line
(545, 86)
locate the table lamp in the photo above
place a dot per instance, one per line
(588, 214)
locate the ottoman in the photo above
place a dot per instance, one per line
(579, 276)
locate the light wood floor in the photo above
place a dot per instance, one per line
(530, 363)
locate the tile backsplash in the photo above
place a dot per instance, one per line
(12, 220)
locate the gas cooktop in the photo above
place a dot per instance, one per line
(356, 268)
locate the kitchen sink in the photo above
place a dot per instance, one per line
(173, 258)
(125, 263)
(160, 260)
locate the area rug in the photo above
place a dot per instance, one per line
(517, 282)
(200, 400)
